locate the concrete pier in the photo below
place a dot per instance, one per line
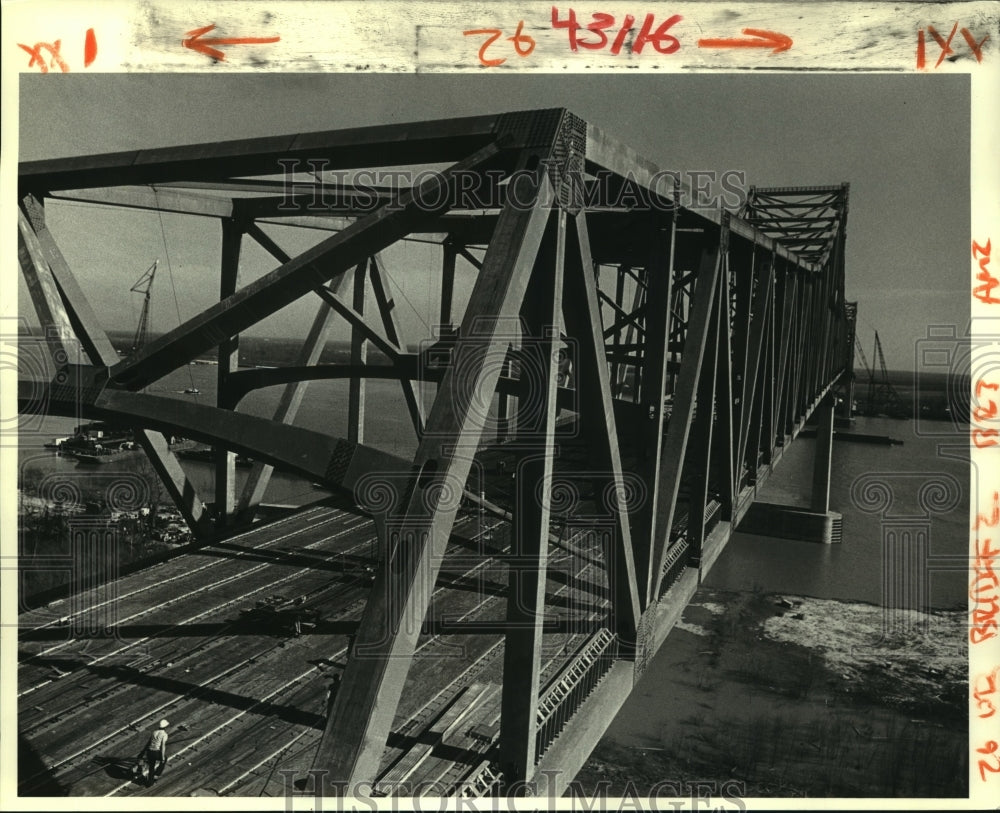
(789, 522)
(817, 523)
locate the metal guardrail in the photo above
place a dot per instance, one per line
(675, 563)
(677, 559)
(576, 681)
(483, 781)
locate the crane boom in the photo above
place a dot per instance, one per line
(882, 396)
(143, 286)
(864, 359)
(881, 358)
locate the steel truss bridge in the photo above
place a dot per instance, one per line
(627, 371)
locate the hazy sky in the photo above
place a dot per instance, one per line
(900, 141)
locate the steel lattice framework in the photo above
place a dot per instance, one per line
(699, 342)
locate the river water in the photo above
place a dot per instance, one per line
(851, 570)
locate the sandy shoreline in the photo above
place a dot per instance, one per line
(924, 653)
(796, 696)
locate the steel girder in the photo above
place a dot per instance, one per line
(715, 339)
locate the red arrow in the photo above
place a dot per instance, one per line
(203, 45)
(765, 39)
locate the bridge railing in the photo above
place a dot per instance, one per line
(677, 559)
(576, 681)
(484, 780)
(676, 562)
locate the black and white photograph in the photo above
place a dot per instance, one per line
(595, 440)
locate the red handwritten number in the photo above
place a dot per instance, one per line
(523, 43)
(661, 41)
(601, 21)
(571, 25)
(616, 47)
(495, 34)
(984, 766)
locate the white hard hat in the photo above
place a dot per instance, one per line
(164, 723)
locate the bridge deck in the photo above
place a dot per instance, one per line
(247, 696)
(249, 692)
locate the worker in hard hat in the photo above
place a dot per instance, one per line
(156, 752)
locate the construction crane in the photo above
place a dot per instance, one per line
(864, 358)
(143, 286)
(882, 396)
(868, 370)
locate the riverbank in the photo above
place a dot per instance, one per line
(796, 697)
